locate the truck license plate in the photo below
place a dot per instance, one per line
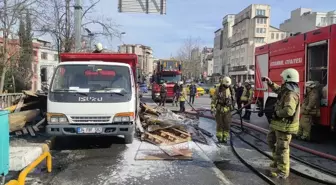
(89, 130)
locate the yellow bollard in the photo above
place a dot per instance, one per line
(24, 173)
(12, 182)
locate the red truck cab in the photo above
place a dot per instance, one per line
(169, 72)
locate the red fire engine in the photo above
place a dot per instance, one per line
(312, 55)
(169, 72)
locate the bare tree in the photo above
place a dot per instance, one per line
(10, 13)
(189, 54)
(58, 17)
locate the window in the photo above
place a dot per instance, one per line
(272, 35)
(44, 55)
(259, 40)
(263, 30)
(282, 36)
(257, 30)
(323, 20)
(260, 12)
(87, 77)
(277, 36)
(55, 57)
(261, 20)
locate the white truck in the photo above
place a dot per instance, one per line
(93, 94)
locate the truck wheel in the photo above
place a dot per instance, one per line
(129, 139)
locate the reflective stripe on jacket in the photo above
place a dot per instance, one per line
(183, 94)
(247, 95)
(286, 110)
(222, 101)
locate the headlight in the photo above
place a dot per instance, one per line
(124, 117)
(55, 118)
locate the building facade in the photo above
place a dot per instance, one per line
(228, 22)
(48, 59)
(207, 62)
(217, 51)
(145, 57)
(304, 20)
(251, 29)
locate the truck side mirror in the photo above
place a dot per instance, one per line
(43, 75)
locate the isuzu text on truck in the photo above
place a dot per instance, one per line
(93, 94)
(169, 72)
(313, 55)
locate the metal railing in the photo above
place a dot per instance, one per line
(7, 100)
(22, 177)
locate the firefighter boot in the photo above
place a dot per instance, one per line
(278, 174)
(219, 135)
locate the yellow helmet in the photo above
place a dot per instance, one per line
(290, 75)
(99, 47)
(226, 81)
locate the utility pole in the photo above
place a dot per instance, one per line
(78, 24)
(67, 25)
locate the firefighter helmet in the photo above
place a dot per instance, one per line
(99, 47)
(311, 84)
(290, 75)
(226, 81)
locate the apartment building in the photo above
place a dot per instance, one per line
(251, 29)
(304, 20)
(48, 59)
(207, 62)
(217, 51)
(228, 22)
(145, 57)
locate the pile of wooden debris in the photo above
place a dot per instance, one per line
(27, 114)
(166, 132)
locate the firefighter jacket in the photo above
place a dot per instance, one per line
(247, 95)
(163, 90)
(183, 94)
(311, 103)
(223, 99)
(287, 108)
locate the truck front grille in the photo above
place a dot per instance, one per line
(91, 119)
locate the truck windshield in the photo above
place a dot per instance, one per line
(169, 79)
(92, 78)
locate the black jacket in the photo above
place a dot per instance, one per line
(176, 87)
(239, 92)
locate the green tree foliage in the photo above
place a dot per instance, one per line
(23, 69)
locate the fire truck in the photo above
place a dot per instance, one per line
(312, 55)
(169, 72)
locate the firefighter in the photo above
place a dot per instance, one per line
(182, 97)
(310, 110)
(221, 105)
(285, 121)
(163, 94)
(98, 48)
(247, 98)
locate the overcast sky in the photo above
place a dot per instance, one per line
(195, 18)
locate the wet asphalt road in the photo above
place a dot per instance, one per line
(106, 160)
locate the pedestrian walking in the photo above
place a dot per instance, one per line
(310, 110)
(285, 121)
(182, 97)
(163, 94)
(221, 105)
(192, 92)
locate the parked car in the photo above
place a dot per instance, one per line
(200, 90)
(213, 89)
